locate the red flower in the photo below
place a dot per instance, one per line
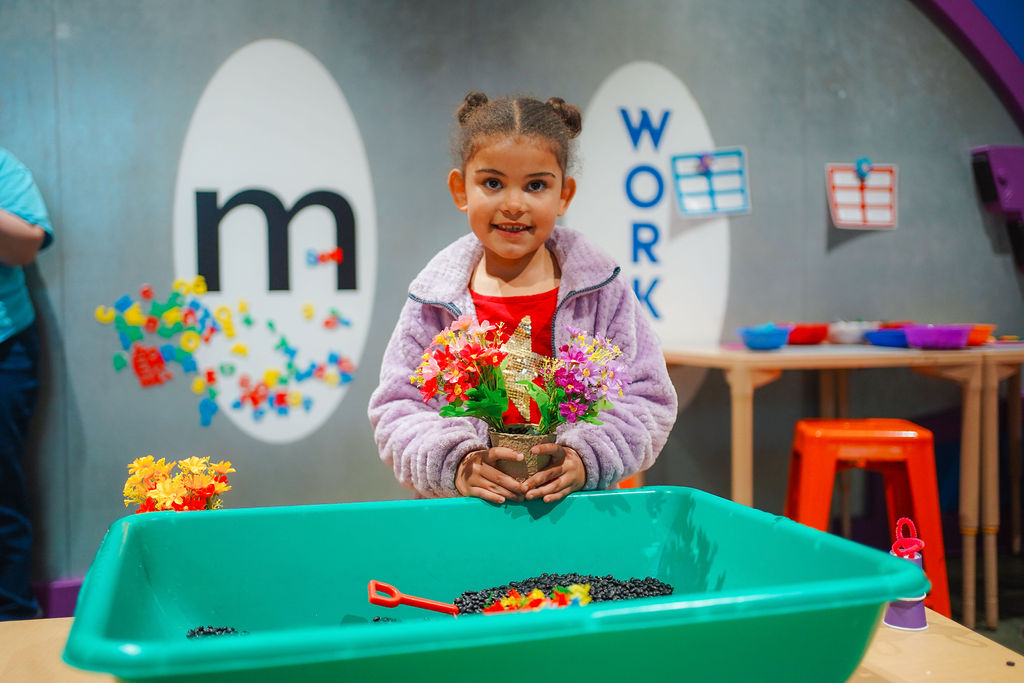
(148, 506)
(428, 389)
(204, 492)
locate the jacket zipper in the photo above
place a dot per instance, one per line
(615, 274)
(449, 306)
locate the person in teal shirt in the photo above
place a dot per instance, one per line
(24, 230)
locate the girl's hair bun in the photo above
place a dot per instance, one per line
(569, 113)
(474, 100)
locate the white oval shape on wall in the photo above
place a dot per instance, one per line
(273, 168)
(640, 117)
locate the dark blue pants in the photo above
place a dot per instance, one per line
(19, 384)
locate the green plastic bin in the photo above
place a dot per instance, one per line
(757, 597)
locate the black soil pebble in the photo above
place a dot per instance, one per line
(602, 588)
(203, 631)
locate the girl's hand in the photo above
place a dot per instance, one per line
(479, 476)
(563, 475)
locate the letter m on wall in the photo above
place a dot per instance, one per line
(209, 216)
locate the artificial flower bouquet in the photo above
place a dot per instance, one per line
(196, 486)
(476, 373)
(578, 382)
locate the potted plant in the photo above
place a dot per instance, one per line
(477, 375)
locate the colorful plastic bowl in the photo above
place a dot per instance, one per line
(764, 337)
(887, 336)
(937, 336)
(808, 333)
(980, 334)
(850, 331)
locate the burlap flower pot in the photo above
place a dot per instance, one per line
(530, 464)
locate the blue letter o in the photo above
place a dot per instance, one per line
(629, 186)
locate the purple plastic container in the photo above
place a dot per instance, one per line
(937, 336)
(907, 614)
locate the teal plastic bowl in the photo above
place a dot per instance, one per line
(757, 596)
(765, 337)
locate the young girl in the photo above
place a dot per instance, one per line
(513, 156)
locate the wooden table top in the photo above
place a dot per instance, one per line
(817, 356)
(30, 651)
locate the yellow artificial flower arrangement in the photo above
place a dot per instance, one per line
(196, 486)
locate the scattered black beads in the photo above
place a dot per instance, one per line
(203, 631)
(601, 588)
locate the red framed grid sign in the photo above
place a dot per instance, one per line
(862, 203)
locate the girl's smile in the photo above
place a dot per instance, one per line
(512, 190)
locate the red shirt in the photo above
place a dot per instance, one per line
(510, 311)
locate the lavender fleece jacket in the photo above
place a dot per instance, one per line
(425, 449)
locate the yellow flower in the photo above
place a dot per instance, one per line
(193, 465)
(134, 489)
(150, 478)
(223, 467)
(196, 481)
(138, 464)
(134, 492)
(167, 493)
(160, 469)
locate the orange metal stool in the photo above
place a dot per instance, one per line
(902, 451)
(634, 482)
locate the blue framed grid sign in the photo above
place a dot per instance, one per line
(709, 183)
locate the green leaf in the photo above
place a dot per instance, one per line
(543, 400)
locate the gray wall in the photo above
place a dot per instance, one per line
(96, 99)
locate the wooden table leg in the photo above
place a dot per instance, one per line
(826, 393)
(994, 372)
(990, 452)
(1013, 444)
(842, 393)
(969, 377)
(742, 382)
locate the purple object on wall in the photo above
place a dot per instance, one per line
(999, 172)
(985, 46)
(999, 175)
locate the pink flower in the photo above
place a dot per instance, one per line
(429, 369)
(480, 328)
(571, 410)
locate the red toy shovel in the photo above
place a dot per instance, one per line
(386, 595)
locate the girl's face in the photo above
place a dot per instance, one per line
(512, 191)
